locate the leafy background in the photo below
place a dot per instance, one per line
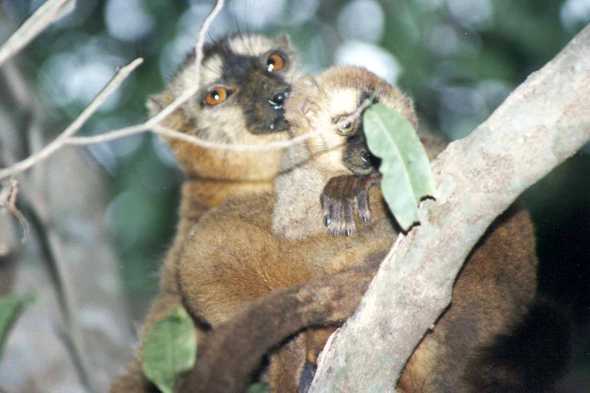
(458, 59)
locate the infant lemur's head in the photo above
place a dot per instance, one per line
(332, 105)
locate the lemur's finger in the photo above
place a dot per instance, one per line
(348, 215)
(325, 201)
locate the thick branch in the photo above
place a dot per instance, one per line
(542, 123)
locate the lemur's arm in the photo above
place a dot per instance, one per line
(229, 355)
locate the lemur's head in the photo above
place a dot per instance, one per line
(244, 82)
(332, 105)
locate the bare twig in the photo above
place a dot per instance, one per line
(67, 138)
(49, 13)
(51, 244)
(169, 132)
(199, 58)
(60, 141)
(8, 195)
(356, 115)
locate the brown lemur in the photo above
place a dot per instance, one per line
(267, 253)
(244, 81)
(493, 234)
(274, 245)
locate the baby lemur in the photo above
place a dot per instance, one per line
(277, 241)
(244, 81)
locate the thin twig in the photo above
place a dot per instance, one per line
(169, 132)
(60, 141)
(355, 116)
(108, 136)
(67, 138)
(40, 218)
(8, 195)
(49, 13)
(187, 95)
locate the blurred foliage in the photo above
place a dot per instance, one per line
(10, 309)
(458, 59)
(261, 387)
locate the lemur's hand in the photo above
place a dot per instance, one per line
(338, 203)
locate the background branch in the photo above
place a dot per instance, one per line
(67, 138)
(542, 123)
(62, 286)
(60, 141)
(49, 13)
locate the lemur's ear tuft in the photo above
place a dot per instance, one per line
(284, 41)
(155, 104)
(304, 94)
(308, 83)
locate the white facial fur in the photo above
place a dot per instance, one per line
(228, 117)
(314, 106)
(307, 167)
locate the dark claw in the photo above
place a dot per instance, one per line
(326, 220)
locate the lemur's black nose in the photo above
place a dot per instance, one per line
(278, 100)
(369, 160)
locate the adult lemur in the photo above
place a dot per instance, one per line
(277, 241)
(244, 81)
(241, 251)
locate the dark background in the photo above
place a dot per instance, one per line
(458, 59)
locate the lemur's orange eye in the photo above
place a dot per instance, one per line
(216, 95)
(275, 62)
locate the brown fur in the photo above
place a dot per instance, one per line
(231, 353)
(211, 177)
(493, 291)
(238, 253)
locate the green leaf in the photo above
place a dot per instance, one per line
(407, 176)
(10, 308)
(170, 349)
(261, 387)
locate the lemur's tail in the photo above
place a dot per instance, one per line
(531, 358)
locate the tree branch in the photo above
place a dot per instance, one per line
(541, 124)
(49, 13)
(61, 140)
